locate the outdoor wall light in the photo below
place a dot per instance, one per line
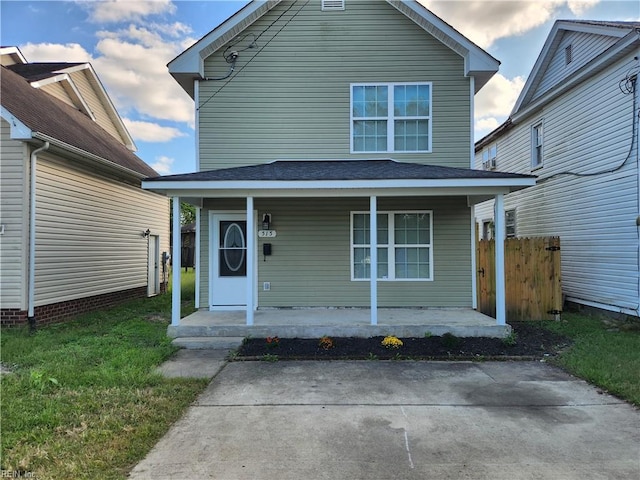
(266, 221)
(146, 233)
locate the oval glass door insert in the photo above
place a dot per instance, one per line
(233, 249)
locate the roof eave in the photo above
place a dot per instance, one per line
(324, 188)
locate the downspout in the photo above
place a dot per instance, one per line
(32, 238)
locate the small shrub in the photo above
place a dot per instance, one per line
(391, 342)
(272, 342)
(449, 340)
(326, 343)
(511, 339)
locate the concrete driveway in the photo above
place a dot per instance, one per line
(399, 420)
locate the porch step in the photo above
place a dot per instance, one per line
(208, 343)
(235, 333)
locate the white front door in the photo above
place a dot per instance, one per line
(228, 272)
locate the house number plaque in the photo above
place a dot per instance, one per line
(266, 233)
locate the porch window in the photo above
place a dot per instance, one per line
(391, 117)
(404, 246)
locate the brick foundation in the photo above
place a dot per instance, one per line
(57, 312)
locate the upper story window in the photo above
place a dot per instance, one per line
(489, 157)
(391, 117)
(537, 145)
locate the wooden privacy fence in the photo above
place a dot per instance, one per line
(532, 278)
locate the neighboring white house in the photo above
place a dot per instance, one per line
(77, 232)
(317, 123)
(575, 126)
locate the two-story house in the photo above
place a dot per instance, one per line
(319, 122)
(77, 232)
(575, 126)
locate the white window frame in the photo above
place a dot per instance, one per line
(490, 156)
(537, 145)
(390, 118)
(510, 223)
(391, 246)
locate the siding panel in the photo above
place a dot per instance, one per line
(310, 264)
(89, 233)
(595, 216)
(289, 97)
(13, 216)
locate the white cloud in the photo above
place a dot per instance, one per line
(163, 165)
(151, 132)
(494, 103)
(484, 22)
(106, 11)
(55, 52)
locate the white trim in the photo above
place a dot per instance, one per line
(603, 306)
(17, 129)
(176, 262)
(390, 118)
(196, 102)
(69, 86)
(251, 258)
(373, 255)
(474, 261)
(498, 216)
(424, 187)
(534, 144)
(389, 246)
(197, 258)
(472, 123)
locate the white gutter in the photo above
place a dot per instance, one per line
(83, 153)
(32, 237)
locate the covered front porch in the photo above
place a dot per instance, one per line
(320, 208)
(339, 322)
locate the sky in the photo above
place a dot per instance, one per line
(130, 42)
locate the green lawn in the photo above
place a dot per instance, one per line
(83, 401)
(606, 354)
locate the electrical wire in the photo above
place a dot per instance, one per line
(229, 77)
(628, 87)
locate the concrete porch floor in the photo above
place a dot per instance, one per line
(339, 322)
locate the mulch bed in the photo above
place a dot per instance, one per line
(530, 341)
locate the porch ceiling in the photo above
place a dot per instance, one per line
(340, 178)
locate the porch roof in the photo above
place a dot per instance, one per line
(339, 177)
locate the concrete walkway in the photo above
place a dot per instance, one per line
(399, 420)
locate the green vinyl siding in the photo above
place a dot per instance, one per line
(289, 97)
(310, 261)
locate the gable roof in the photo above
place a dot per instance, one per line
(625, 36)
(189, 65)
(40, 74)
(44, 117)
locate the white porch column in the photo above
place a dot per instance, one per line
(474, 261)
(251, 242)
(500, 235)
(176, 262)
(373, 256)
(197, 258)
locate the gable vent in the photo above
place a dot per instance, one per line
(331, 5)
(568, 54)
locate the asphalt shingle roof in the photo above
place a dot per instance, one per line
(338, 170)
(38, 71)
(45, 114)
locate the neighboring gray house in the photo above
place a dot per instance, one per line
(575, 126)
(317, 123)
(77, 232)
